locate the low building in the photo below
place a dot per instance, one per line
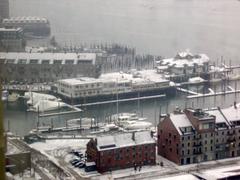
(12, 39)
(46, 67)
(183, 66)
(194, 135)
(112, 84)
(121, 151)
(36, 26)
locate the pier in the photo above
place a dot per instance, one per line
(120, 100)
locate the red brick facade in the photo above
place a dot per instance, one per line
(122, 157)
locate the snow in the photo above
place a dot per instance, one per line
(221, 173)
(196, 80)
(59, 143)
(46, 105)
(144, 76)
(179, 121)
(91, 57)
(180, 177)
(124, 140)
(183, 59)
(218, 115)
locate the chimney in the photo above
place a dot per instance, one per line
(235, 105)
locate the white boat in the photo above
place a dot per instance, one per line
(4, 95)
(46, 105)
(130, 121)
(13, 97)
(135, 125)
(34, 98)
(196, 80)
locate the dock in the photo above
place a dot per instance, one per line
(121, 100)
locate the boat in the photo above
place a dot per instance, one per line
(33, 98)
(131, 121)
(46, 105)
(196, 80)
(4, 95)
(13, 97)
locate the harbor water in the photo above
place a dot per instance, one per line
(20, 121)
(158, 27)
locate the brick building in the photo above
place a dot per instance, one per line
(194, 135)
(121, 151)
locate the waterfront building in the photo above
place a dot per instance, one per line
(196, 135)
(122, 151)
(184, 66)
(46, 67)
(31, 25)
(11, 39)
(4, 9)
(112, 84)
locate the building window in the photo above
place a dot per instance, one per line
(188, 151)
(188, 144)
(211, 141)
(205, 149)
(223, 133)
(183, 145)
(205, 135)
(182, 138)
(182, 153)
(174, 136)
(211, 148)
(188, 137)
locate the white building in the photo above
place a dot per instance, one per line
(111, 83)
(46, 67)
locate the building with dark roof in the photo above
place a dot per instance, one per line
(121, 151)
(196, 135)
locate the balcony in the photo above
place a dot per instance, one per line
(197, 144)
(197, 152)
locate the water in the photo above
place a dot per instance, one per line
(18, 121)
(161, 27)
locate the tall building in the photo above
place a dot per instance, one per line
(4, 9)
(195, 135)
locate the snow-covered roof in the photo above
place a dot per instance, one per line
(183, 59)
(124, 140)
(52, 57)
(180, 121)
(218, 115)
(24, 19)
(145, 77)
(232, 113)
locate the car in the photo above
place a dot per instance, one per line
(75, 162)
(81, 165)
(79, 154)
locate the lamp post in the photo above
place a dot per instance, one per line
(2, 140)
